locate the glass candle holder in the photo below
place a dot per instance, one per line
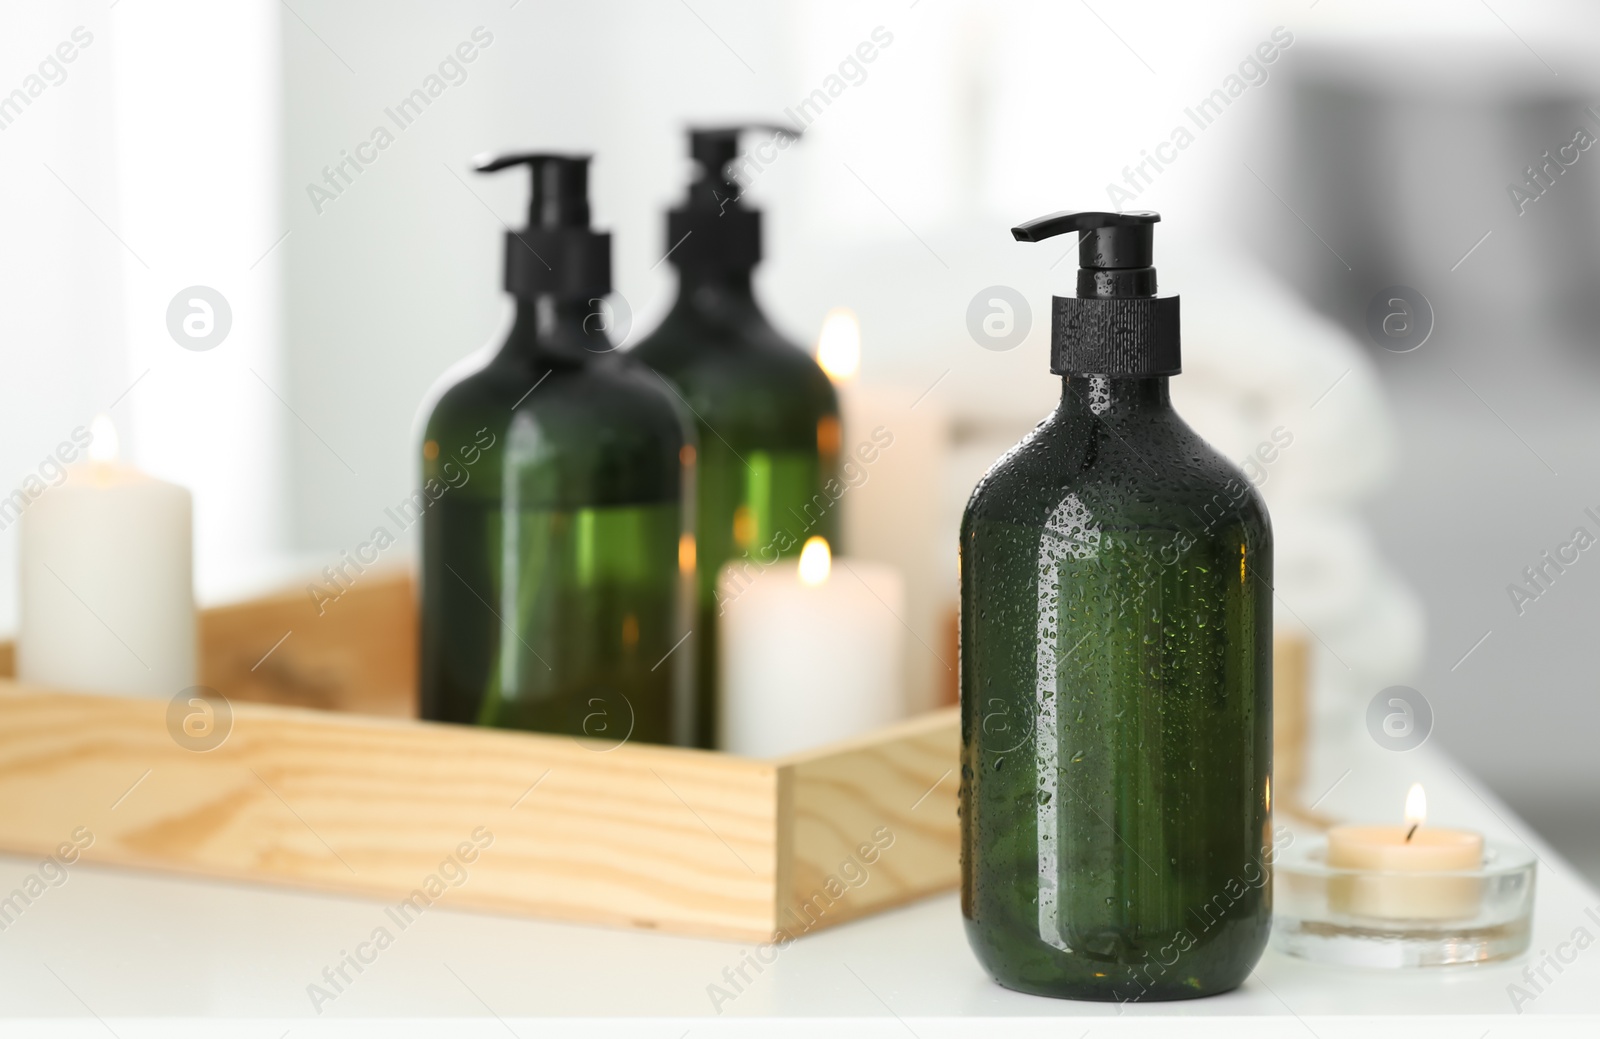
(1376, 918)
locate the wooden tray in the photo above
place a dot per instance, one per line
(325, 781)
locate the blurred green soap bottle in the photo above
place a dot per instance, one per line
(1116, 668)
(557, 561)
(768, 417)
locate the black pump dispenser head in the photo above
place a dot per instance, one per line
(558, 254)
(1116, 325)
(713, 231)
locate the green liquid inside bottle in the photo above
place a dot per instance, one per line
(768, 429)
(1116, 647)
(583, 604)
(555, 577)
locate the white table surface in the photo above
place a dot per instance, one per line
(124, 953)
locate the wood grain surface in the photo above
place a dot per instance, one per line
(652, 837)
(354, 653)
(870, 823)
(353, 796)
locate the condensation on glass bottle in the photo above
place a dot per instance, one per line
(1116, 668)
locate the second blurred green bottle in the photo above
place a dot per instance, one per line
(768, 417)
(558, 552)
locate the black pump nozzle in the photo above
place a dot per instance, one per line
(558, 254)
(560, 186)
(713, 231)
(1114, 249)
(714, 150)
(1116, 325)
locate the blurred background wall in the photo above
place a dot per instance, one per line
(1375, 147)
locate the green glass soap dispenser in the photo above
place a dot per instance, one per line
(557, 555)
(768, 417)
(1116, 668)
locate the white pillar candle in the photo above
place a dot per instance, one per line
(810, 651)
(892, 462)
(106, 583)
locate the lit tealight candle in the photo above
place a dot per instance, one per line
(1384, 855)
(106, 580)
(892, 475)
(811, 651)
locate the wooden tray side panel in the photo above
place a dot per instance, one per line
(355, 653)
(871, 823)
(665, 838)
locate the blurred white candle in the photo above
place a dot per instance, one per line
(106, 580)
(892, 461)
(811, 651)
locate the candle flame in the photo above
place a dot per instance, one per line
(103, 445)
(1416, 805)
(815, 562)
(839, 345)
